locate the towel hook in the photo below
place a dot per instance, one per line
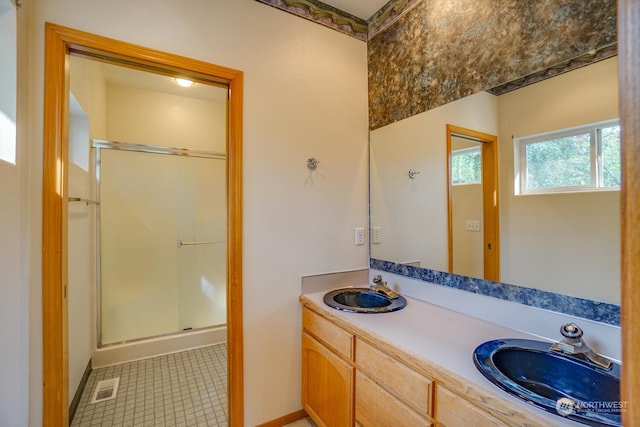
(312, 163)
(413, 173)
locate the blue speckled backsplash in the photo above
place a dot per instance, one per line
(573, 306)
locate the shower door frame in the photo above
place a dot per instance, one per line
(59, 43)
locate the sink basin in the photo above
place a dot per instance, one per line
(363, 300)
(558, 383)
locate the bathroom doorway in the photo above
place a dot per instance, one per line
(473, 219)
(61, 43)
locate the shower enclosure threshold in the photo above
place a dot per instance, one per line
(113, 354)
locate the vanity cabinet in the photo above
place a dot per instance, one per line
(347, 381)
(388, 392)
(352, 378)
(452, 410)
(376, 406)
(327, 385)
(327, 371)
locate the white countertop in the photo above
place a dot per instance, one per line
(442, 336)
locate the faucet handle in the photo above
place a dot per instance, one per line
(573, 345)
(377, 279)
(571, 331)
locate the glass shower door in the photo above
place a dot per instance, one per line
(162, 244)
(202, 243)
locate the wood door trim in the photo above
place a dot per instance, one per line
(60, 41)
(490, 200)
(491, 210)
(54, 242)
(629, 63)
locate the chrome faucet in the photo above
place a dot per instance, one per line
(381, 286)
(574, 345)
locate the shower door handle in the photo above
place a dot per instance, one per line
(210, 242)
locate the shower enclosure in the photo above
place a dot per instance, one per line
(161, 241)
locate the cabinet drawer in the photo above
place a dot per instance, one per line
(375, 407)
(333, 336)
(415, 389)
(452, 411)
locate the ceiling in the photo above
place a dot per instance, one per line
(361, 8)
(129, 77)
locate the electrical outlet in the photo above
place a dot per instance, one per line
(473, 225)
(359, 236)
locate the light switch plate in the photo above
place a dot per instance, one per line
(376, 235)
(473, 225)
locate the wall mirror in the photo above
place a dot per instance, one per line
(565, 242)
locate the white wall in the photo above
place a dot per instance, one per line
(413, 212)
(89, 87)
(154, 118)
(81, 266)
(305, 96)
(567, 243)
(14, 232)
(468, 245)
(88, 119)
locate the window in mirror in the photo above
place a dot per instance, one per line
(610, 164)
(466, 166)
(586, 158)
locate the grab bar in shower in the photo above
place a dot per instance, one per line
(80, 199)
(211, 242)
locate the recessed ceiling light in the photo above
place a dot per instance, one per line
(183, 82)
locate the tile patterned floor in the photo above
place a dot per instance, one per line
(180, 389)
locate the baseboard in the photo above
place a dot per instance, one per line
(287, 419)
(78, 395)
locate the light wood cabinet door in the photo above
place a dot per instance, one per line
(327, 385)
(376, 407)
(453, 411)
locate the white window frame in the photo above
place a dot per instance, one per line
(593, 129)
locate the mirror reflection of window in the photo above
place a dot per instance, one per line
(8, 81)
(611, 160)
(466, 166)
(586, 158)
